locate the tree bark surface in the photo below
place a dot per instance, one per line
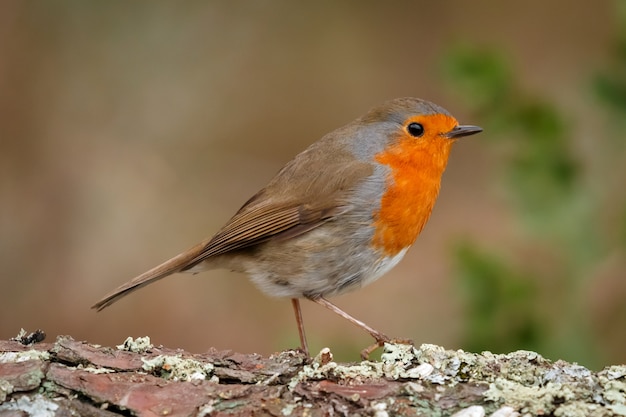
(72, 378)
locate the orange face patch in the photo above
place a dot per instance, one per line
(417, 164)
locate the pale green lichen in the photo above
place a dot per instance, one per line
(580, 409)
(6, 388)
(398, 361)
(380, 409)
(26, 355)
(207, 409)
(288, 409)
(613, 381)
(560, 389)
(177, 368)
(520, 381)
(618, 409)
(139, 345)
(38, 405)
(505, 411)
(20, 335)
(319, 369)
(95, 370)
(528, 399)
(614, 392)
(471, 411)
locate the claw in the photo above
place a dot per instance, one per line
(365, 353)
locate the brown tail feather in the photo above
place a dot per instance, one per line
(177, 264)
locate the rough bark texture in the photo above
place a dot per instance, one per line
(70, 378)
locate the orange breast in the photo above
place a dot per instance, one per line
(417, 165)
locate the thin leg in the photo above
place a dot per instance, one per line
(298, 312)
(380, 337)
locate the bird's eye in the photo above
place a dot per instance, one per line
(415, 129)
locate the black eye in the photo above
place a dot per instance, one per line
(415, 129)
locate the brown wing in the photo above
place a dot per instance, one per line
(301, 197)
(297, 200)
(263, 222)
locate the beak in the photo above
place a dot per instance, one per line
(463, 130)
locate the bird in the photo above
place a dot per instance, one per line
(337, 217)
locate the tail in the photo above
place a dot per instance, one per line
(178, 263)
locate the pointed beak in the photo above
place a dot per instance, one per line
(463, 130)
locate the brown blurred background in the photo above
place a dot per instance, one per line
(130, 131)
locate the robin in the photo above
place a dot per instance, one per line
(335, 218)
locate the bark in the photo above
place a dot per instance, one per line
(72, 378)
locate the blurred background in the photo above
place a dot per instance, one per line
(130, 131)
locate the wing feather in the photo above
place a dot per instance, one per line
(300, 198)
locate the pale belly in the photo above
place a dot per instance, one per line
(325, 279)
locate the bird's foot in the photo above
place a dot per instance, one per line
(365, 353)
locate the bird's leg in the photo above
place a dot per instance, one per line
(378, 336)
(298, 312)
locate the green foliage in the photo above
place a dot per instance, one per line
(481, 75)
(610, 88)
(541, 169)
(499, 315)
(610, 84)
(556, 205)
